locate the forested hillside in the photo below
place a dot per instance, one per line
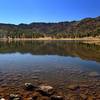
(83, 28)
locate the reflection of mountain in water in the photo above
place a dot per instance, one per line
(62, 48)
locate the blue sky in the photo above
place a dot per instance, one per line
(27, 11)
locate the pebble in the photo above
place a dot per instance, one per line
(2, 99)
(14, 97)
(54, 97)
(83, 96)
(46, 90)
(94, 74)
(73, 87)
(29, 86)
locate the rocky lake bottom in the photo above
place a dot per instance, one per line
(82, 87)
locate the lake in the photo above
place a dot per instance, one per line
(57, 63)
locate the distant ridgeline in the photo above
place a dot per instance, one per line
(75, 29)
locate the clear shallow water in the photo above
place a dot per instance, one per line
(54, 62)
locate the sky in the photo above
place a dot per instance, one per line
(27, 11)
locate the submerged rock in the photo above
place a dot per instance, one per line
(83, 96)
(73, 87)
(46, 90)
(29, 86)
(14, 97)
(35, 96)
(54, 97)
(2, 99)
(84, 86)
(94, 74)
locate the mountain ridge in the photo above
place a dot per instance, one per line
(84, 28)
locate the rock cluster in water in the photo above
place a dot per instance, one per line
(41, 92)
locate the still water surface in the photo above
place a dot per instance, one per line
(53, 62)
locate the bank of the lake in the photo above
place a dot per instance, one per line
(50, 38)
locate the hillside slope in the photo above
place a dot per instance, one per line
(83, 28)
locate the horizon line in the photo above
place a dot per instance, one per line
(47, 22)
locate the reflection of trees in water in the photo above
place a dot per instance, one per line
(62, 48)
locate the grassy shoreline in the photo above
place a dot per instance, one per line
(49, 38)
(89, 40)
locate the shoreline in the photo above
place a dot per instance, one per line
(87, 40)
(49, 38)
